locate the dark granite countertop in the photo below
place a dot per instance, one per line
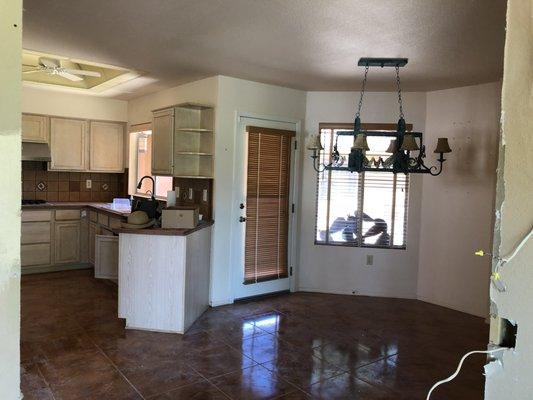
(164, 231)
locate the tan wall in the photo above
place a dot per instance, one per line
(458, 206)
(514, 378)
(10, 83)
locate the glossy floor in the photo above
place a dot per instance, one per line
(298, 346)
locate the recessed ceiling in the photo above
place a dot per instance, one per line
(304, 44)
(59, 72)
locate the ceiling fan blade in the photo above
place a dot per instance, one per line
(83, 72)
(70, 76)
(49, 62)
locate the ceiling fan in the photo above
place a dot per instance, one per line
(53, 67)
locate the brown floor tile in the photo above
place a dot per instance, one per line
(253, 383)
(198, 391)
(74, 347)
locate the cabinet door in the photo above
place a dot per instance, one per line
(67, 242)
(68, 144)
(163, 142)
(106, 257)
(35, 254)
(106, 143)
(35, 128)
(92, 241)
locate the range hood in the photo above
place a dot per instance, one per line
(35, 152)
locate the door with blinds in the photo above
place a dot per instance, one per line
(266, 210)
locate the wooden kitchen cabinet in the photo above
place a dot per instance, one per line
(106, 257)
(106, 144)
(68, 144)
(93, 228)
(67, 242)
(38, 254)
(35, 128)
(163, 142)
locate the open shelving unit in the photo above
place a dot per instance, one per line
(193, 141)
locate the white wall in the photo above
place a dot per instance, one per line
(53, 102)
(10, 84)
(513, 379)
(457, 206)
(237, 95)
(342, 269)
(203, 91)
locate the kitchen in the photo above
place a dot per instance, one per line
(81, 180)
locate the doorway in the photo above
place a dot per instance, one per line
(264, 213)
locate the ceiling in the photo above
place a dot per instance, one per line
(304, 44)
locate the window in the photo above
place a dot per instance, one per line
(144, 163)
(367, 209)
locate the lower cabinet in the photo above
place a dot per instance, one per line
(106, 257)
(67, 242)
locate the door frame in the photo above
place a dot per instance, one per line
(243, 119)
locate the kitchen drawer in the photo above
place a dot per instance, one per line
(67, 215)
(35, 232)
(103, 219)
(93, 216)
(36, 215)
(35, 254)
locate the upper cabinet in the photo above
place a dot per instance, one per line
(106, 144)
(35, 128)
(87, 146)
(68, 144)
(162, 142)
(183, 141)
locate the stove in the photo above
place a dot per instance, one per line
(32, 202)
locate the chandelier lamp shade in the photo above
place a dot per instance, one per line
(406, 148)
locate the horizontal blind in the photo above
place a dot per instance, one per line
(366, 209)
(267, 204)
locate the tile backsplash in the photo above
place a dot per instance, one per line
(40, 184)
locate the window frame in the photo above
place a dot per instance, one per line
(138, 136)
(359, 243)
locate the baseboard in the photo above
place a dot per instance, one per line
(54, 268)
(410, 296)
(451, 306)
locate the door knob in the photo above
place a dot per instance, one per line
(242, 219)
(241, 206)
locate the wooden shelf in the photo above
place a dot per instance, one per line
(193, 176)
(192, 153)
(200, 130)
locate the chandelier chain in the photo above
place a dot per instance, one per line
(399, 91)
(362, 93)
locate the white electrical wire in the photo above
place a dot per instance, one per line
(451, 377)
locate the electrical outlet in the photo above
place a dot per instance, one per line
(204, 195)
(88, 184)
(190, 193)
(177, 190)
(369, 259)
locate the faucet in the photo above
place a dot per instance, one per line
(153, 184)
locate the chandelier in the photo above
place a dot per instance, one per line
(406, 148)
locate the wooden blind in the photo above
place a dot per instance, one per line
(367, 209)
(267, 204)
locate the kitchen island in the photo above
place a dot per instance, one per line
(164, 277)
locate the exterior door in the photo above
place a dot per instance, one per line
(264, 216)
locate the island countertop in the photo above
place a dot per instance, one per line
(164, 231)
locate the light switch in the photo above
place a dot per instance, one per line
(204, 195)
(88, 184)
(190, 193)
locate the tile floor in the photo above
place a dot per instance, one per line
(291, 347)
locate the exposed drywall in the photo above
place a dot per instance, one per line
(514, 208)
(457, 206)
(53, 102)
(237, 95)
(343, 269)
(10, 83)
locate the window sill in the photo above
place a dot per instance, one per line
(355, 246)
(147, 196)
